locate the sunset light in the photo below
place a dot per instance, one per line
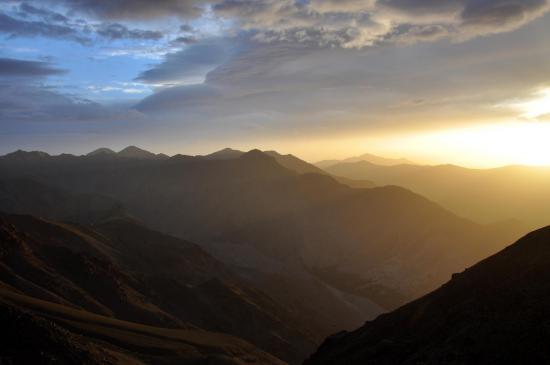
(275, 182)
(486, 145)
(538, 106)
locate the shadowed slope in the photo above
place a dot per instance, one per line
(126, 271)
(40, 332)
(495, 312)
(26, 196)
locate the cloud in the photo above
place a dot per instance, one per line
(119, 31)
(30, 21)
(322, 23)
(34, 28)
(493, 15)
(185, 40)
(191, 64)
(32, 103)
(178, 97)
(136, 9)
(358, 23)
(26, 9)
(10, 67)
(294, 89)
(35, 103)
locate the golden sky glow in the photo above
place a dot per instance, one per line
(487, 145)
(538, 106)
(433, 83)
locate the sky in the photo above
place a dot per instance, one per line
(436, 81)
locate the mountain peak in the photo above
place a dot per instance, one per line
(102, 151)
(136, 152)
(383, 161)
(26, 155)
(225, 154)
(366, 158)
(292, 162)
(255, 153)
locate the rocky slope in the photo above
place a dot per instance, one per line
(123, 270)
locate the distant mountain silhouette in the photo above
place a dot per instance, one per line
(136, 152)
(225, 154)
(289, 161)
(377, 160)
(101, 151)
(355, 183)
(21, 155)
(507, 193)
(495, 312)
(293, 163)
(123, 270)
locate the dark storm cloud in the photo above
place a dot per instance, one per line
(10, 67)
(119, 31)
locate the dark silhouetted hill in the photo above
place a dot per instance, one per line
(495, 312)
(40, 332)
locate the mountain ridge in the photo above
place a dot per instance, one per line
(519, 192)
(492, 313)
(123, 270)
(366, 157)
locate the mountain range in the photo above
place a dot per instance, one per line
(513, 193)
(290, 252)
(242, 204)
(367, 157)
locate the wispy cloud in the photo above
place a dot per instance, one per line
(10, 68)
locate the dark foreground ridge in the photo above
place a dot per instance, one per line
(496, 312)
(39, 332)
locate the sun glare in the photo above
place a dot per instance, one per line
(489, 145)
(536, 107)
